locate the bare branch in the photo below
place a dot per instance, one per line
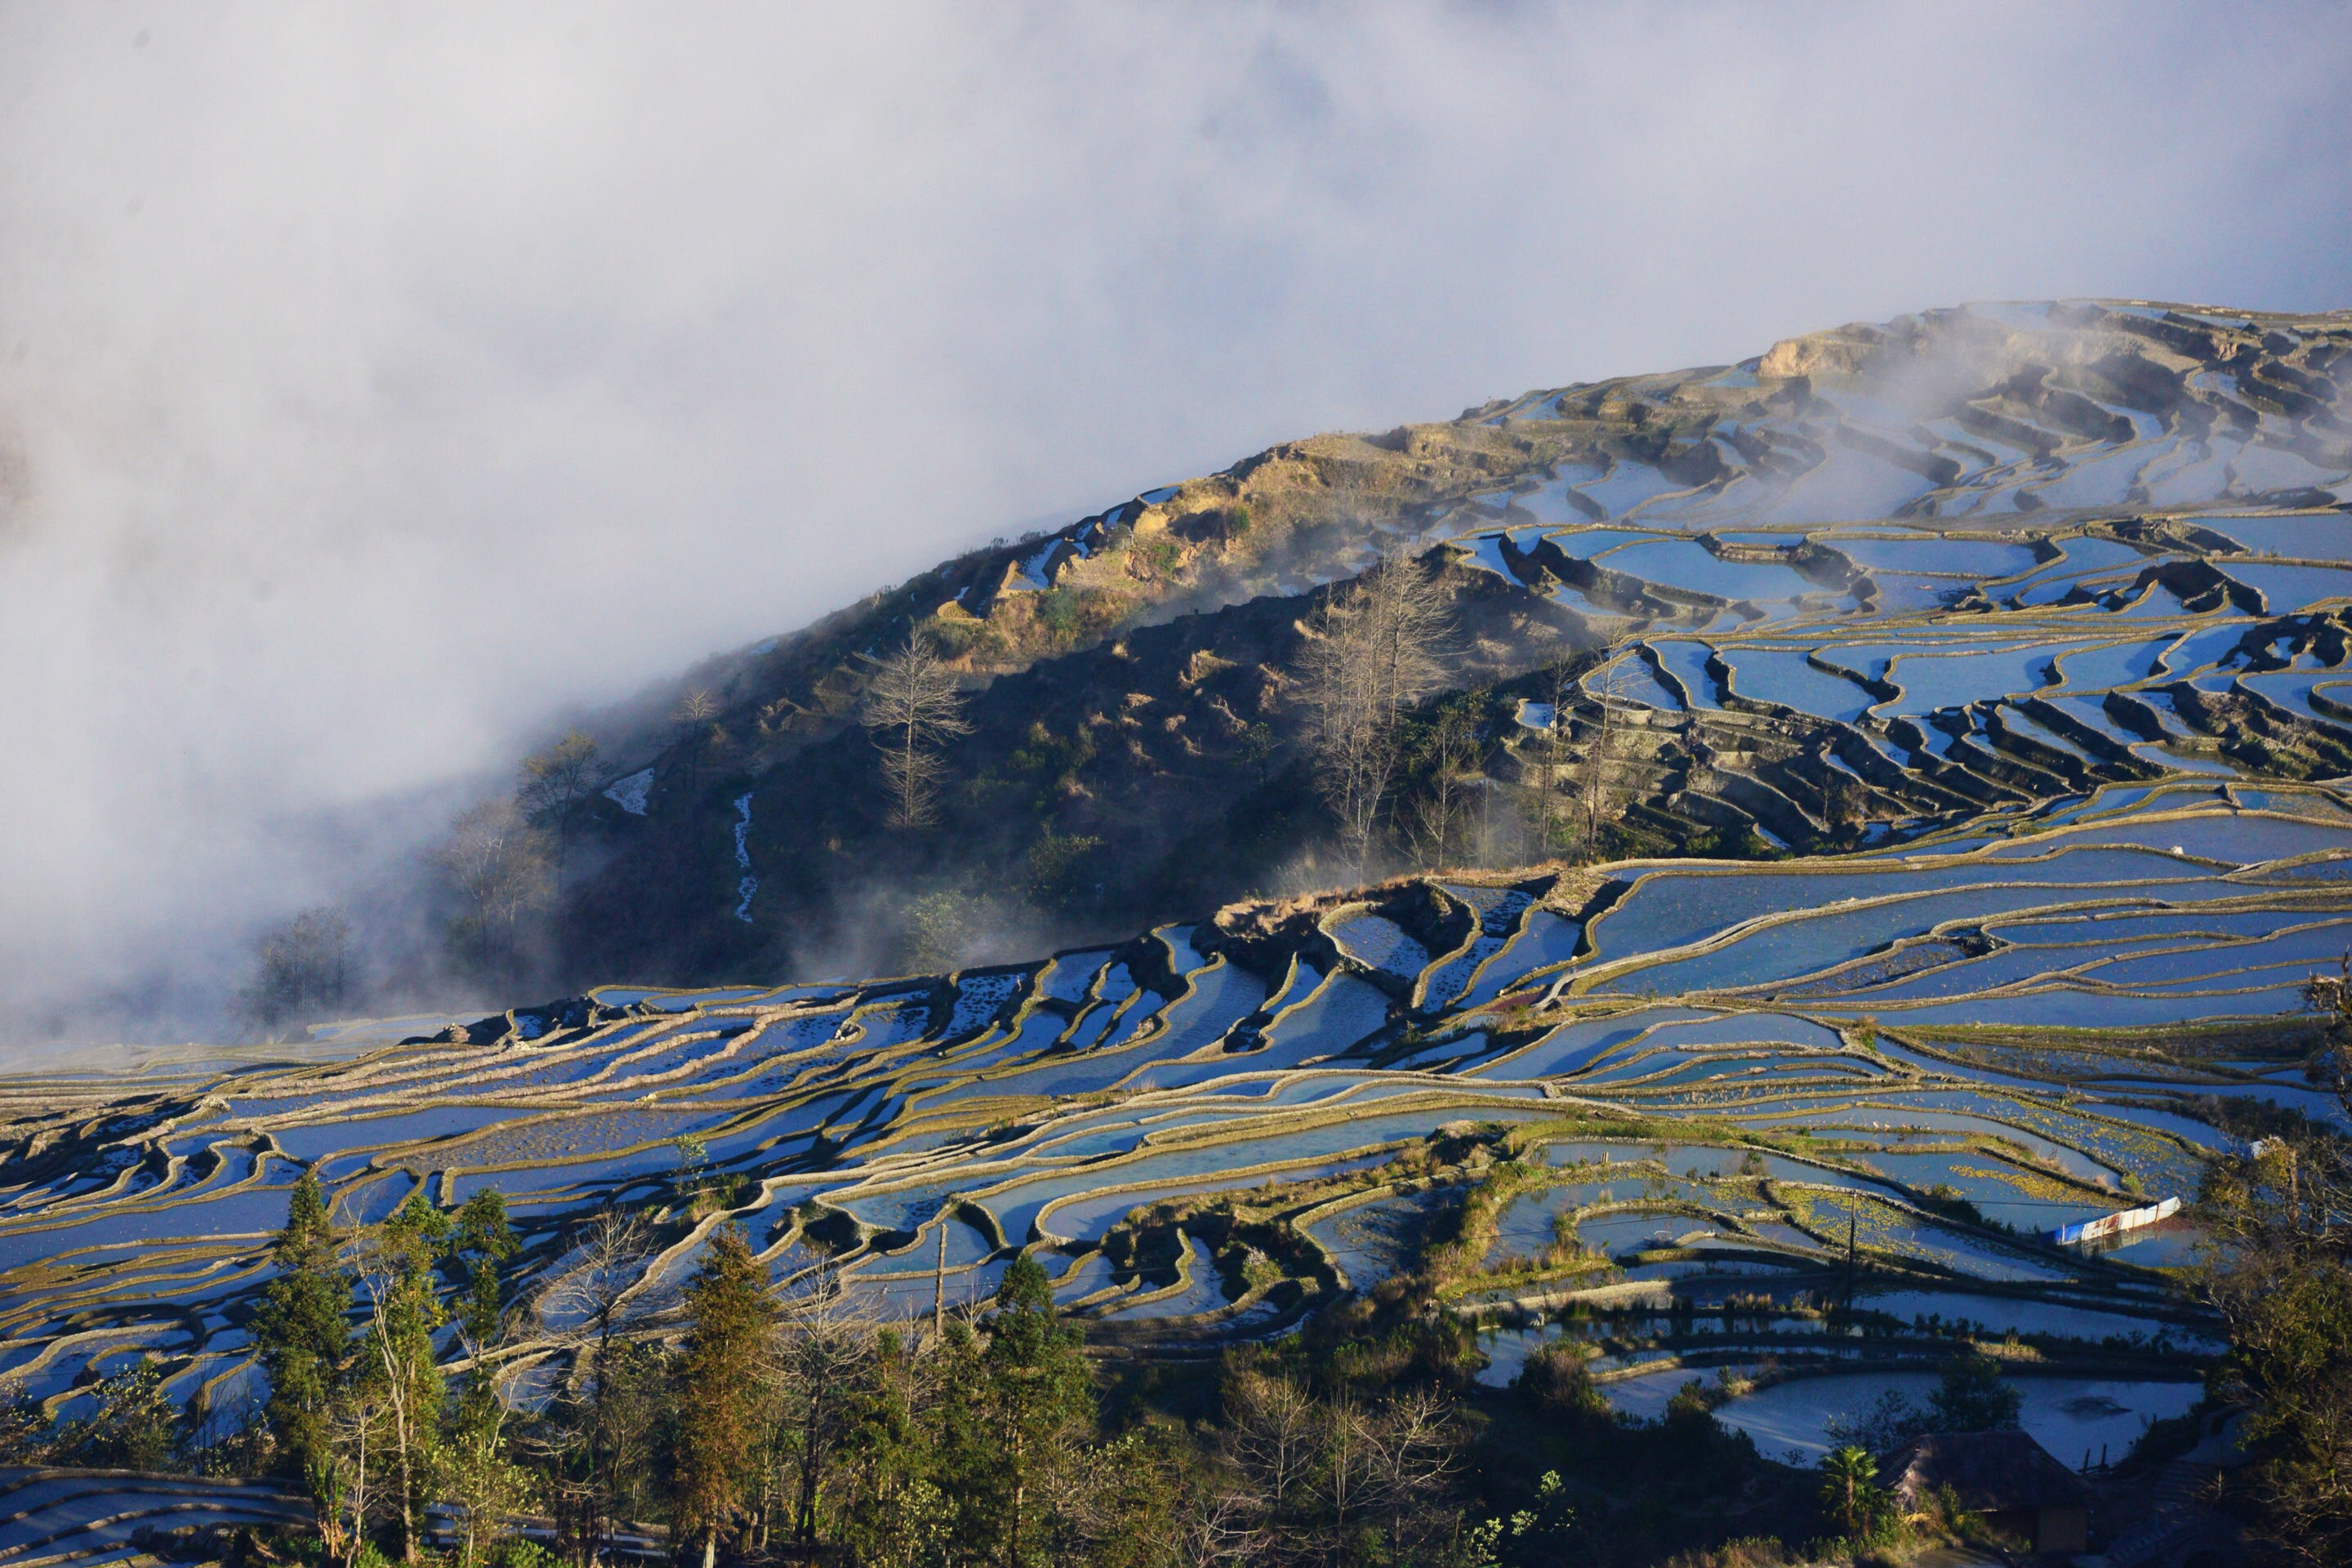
(498, 866)
(1372, 652)
(911, 705)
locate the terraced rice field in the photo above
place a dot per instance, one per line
(1819, 1112)
(105, 1517)
(2068, 773)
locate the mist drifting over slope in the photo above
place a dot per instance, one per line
(376, 387)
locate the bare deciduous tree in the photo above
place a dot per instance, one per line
(698, 731)
(303, 966)
(1372, 651)
(346, 1493)
(600, 1291)
(1350, 1453)
(1276, 1436)
(401, 1371)
(823, 1350)
(911, 705)
(555, 784)
(1554, 756)
(1216, 1527)
(1606, 687)
(498, 865)
(1410, 1446)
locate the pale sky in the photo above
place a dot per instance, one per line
(378, 383)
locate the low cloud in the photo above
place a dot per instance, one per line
(378, 387)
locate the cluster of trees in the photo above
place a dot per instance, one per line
(365, 1414)
(749, 1422)
(757, 1424)
(505, 860)
(1385, 764)
(1302, 1474)
(1391, 764)
(502, 865)
(2279, 1220)
(499, 872)
(304, 968)
(132, 1423)
(792, 1426)
(1972, 1397)
(724, 1418)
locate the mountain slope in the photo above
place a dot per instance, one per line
(1136, 744)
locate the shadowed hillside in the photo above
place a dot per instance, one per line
(1139, 743)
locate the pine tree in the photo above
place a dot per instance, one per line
(1031, 1403)
(303, 1335)
(723, 1377)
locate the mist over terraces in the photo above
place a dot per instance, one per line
(1652, 919)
